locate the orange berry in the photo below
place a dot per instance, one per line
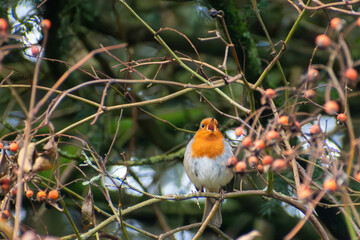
(3, 27)
(3, 24)
(53, 194)
(231, 162)
(279, 164)
(41, 196)
(358, 22)
(304, 191)
(29, 193)
(13, 147)
(357, 177)
(272, 135)
(331, 107)
(313, 74)
(288, 153)
(239, 131)
(35, 50)
(253, 160)
(337, 23)
(341, 117)
(247, 141)
(5, 215)
(315, 129)
(351, 74)
(259, 144)
(330, 184)
(260, 168)
(284, 120)
(270, 93)
(322, 41)
(310, 93)
(1, 145)
(45, 24)
(240, 167)
(267, 160)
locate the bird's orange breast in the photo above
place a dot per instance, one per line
(207, 144)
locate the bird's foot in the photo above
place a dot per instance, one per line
(222, 195)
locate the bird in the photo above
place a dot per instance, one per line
(205, 163)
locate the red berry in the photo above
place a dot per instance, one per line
(279, 164)
(35, 50)
(260, 168)
(351, 74)
(331, 107)
(231, 162)
(5, 181)
(270, 93)
(259, 144)
(239, 131)
(45, 24)
(53, 194)
(337, 23)
(310, 93)
(330, 184)
(247, 141)
(272, 135)
(267, 160)
(5, 186)
(315, 129)
(13, 147)
(341, 117)
(322, 41)
(288, 153)
(358, 22)
(304, 191)
(3, 24)
(284, 120)
(1, 145)
(5, 215)
(240, 167)
(313, 74)
(3, 27)
(253, 161)
(357, 177)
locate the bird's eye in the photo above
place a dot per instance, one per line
(202, 125)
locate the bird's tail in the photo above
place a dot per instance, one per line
(217, 219)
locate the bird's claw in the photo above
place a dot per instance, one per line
(222, 194)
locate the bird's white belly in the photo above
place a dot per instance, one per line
(208, 173)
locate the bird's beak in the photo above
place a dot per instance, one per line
(211, 126)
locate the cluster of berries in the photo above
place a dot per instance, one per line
(258, 158)
(41, 195)
(323, 41)
(6, 186)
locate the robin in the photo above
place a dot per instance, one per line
(205, 163)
